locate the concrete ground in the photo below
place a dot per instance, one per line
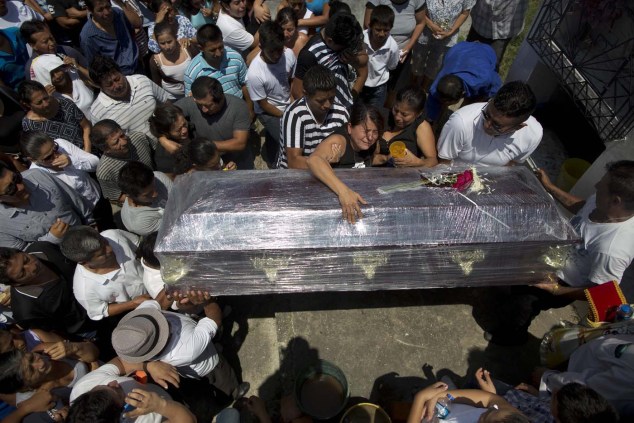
(387, 343)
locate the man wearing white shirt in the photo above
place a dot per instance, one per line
(269, 84)
(149, 334)
(108, 279)
(605, 222)
(95, 394)
(498, 133)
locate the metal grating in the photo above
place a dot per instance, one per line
(589, 44)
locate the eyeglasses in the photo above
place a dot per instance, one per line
(51, 156)
(12, 188)
(494, 125)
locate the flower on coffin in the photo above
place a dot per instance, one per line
(463, 180)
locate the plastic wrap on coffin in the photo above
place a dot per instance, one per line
(258, 232)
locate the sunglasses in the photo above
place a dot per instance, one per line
(50, 156)
(13, 186)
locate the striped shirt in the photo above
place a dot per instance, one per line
(232, 73)
(316, 52)
(299, 129)
(132, 115)
(109, 167)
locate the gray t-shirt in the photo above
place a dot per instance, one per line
(234, 116)
(404, 19)
(144, 220)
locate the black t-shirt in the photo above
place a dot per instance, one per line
(58, 8)
(52, 306)
(350, 157)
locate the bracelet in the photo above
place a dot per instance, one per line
(52, 414)
(555, 289)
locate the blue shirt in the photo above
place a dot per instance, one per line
(122, 48)
(12, 65)
(199, 19)
(474, 63)
(316, 6)
(232, 72)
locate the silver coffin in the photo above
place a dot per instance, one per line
(261, 232)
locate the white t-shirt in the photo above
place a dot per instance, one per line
(270, 81)
(381, 61)
(190, 347)
(108, 373)
(234, 34)
(606, 251)
(463, 138)
(94, 291)
(152, 280)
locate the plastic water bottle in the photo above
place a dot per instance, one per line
(443, 406)
(624, 312)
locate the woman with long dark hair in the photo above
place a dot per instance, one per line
(353, 146)
(407, 124)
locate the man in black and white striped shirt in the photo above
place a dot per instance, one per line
(333, 47)
(309, 120)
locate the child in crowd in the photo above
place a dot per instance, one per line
(200, 154)
(167, 67)
(468, 405)
(383, 55)
(409, 21)
(268, 81)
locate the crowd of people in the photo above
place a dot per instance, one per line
(104, 103)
